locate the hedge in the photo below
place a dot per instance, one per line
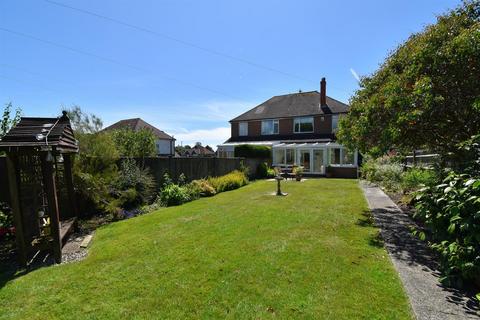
(253, 151)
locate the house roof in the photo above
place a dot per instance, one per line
(199, 150)
(293, 105)
(137, 124)
(41, 132)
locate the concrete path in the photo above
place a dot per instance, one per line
(416, 264)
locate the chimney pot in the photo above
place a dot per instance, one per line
(323, 92)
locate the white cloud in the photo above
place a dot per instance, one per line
(355, 74)
(185, 115)
(205, 122)
(212, 137)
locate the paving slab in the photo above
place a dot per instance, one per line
(416, 264)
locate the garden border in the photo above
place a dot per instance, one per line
(415, 263)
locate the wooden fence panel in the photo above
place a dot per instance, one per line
(192, 168)
(4, 193)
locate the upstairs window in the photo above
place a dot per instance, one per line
(334, 123)
(269, 127)
(243, 129)
(303, 125)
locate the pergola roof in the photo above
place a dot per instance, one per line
(307, 145)
(41, 133)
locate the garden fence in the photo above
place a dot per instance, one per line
(192, 168)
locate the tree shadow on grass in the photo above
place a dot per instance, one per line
(11, 270)
(366, 220)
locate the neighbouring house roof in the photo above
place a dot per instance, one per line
(137, 124)
(293, 105)
(41, 132)
(199, 150)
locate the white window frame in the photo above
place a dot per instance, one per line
(274, 122)
(300, 120)
(335, 119)
(341, 164)
(244, 126)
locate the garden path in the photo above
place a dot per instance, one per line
(416, 264)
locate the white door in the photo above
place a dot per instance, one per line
(305, 161)
(319, 161)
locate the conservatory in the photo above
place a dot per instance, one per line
(315, 157)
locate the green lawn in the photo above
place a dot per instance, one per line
(243, 254)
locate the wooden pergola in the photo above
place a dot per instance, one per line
(39, 164)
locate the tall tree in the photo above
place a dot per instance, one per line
(135, 144)
(426, 94)
(83, 122)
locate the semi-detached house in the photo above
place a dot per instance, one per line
(300, 128)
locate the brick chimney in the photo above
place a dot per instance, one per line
(323, 92)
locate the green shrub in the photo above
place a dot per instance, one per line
(271, 173)
(95, 171)
(135, 144)
(253, 151)
(415, 178)
(201, 188)
(262, 170)
(230, 181)
(141, 180)
(124, 199)
(174, 195)
(384, 171)
(451, 212)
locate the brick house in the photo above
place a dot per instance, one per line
(300, 128)
(164, 143)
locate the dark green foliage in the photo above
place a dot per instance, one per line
(425, 94)
(8, 121)
(95, 171)
(415, 178)
(6, 221)
(140, 180)
(173, 194)
(262, 170)
(466, 157)
(451, 211)
(135, 144)
(253, 151)
(230, 181)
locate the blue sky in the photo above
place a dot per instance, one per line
(188, 67)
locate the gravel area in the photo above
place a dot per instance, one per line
(72, 251)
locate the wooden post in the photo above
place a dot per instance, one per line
(16, 210)
(50, 190)
(67, 171)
